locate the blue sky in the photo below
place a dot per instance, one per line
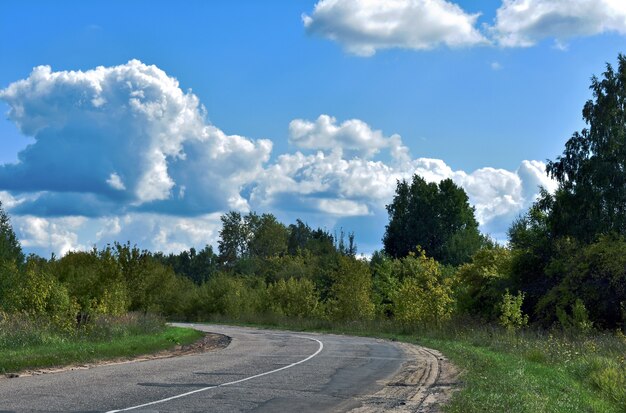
(304, 109)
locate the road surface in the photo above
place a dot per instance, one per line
(261, 371)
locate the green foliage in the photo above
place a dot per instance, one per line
(152, 287)
(438, 218)
(350, 294)
(95, 280)
(594, 273)
(424, 294)
(303, 238)
(10, 249)
(231, 296)
(197, 266)
(36, 293)
(234, 237)
(511, 315)
(251, 236)
(385, 283)
(578, 320)
(591, 198)
(268, 236)
(302, 265)
(293, 298)
(481, 282)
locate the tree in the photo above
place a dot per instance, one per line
(436, 217)
(10, 249)
(95, 280)
(33, 290)
(293, 297)
(268, 237)
(197, 266)
(233, 238)
(351, 292)
(302, 237)
(424, 293)
(591, 172)
(482, 282)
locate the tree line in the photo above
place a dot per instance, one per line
(564, 264)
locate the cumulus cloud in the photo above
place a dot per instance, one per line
(7, 200)
(327, 181)
(43, 234)
(158, 232)
(523, 23)
(115, 182)
(354, 138)
(155, 232)
(365, 26)
(128, 136)
(122, 153)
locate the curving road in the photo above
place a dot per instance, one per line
(262, 371)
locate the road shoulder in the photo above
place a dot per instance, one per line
(424, 383)
(209, 342)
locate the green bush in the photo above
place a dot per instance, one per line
(480, 283)
(95, 280)
(293, 298)
(350, 295)
(33, 291)
(424, 294)
(511, 315)
(578, 321)
(232, 296)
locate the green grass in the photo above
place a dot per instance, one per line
(75, 351)
(503, 371)
(499, 380)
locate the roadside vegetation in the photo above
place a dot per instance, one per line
(34, 344)
(536, 325)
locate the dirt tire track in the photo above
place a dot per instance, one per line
(424, 383)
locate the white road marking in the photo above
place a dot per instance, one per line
(226, 384)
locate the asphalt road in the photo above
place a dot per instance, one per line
(261, 371)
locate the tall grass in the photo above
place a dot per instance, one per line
(29, 343)
(22, 330)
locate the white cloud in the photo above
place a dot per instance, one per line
(354, 138)
(495, 66)
(115, 182)
(110, 227)
(523, 23)
(155, 232)
(327, 182)
(123, 154)
(365, 26)
(158, 232)
(7, 200)
(131, 121)
(342, 207)
(49, 234)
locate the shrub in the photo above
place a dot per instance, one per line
(425, 294)
(511, 315)
(480, 283)
(578, 321)
(293, 298)
(350, 294)
(232, 296)
(33, 291)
